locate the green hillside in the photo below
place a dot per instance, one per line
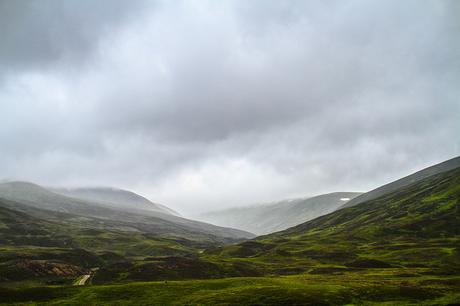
(59, 247)
(40, 202)
(445, 166)
(416, 226)
(399, 249)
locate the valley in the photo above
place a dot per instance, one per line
(229, 153)
(402, 247)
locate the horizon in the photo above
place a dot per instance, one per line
(242, 205)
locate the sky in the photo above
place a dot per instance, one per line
(204, 105)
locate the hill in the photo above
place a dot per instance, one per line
(40, 246)
(30, 197)
(399, 249)
(114, 197)
(405, 181)
(415, 226)
(48, 238)
(268, 218)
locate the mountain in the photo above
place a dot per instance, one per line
(415, 228)
(402, 248)
(114, 197)
(268, 218)
(49, 238)
(38, 201)
(405, 181)
(50, 247)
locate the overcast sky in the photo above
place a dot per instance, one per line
(202, 105)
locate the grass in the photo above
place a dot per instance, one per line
(400, 249)
(418, 225)
(51, 252)
(374, 286)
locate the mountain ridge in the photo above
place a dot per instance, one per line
(415, 226)
(402, 248)
(32, 195)
(119, 197)
(271, 217)
(405, 181)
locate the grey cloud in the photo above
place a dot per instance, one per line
(292, 81)
(38, 33)
(288, 98)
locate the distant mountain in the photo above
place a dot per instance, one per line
(39, 201)
(117, 198)
(51, 247)
(401, 248)
(413, 228)
(268, 218)
(49, 238)
(405, 181)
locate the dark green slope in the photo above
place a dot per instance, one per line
(47, 237)
(41, 251)
(415, 226)
(399, 249)
(427, 209)
(42, 246)
(32, 198)
(405, 181)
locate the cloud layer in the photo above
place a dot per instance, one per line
(204, 105)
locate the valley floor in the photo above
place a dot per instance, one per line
(368, 287)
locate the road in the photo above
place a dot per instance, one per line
(85, 277)
(83, 280)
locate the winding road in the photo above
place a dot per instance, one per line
(85, 277)
(83, 280)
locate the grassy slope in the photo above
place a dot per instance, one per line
(403, 248)
(46, 238)
(417, 226)
(38, 251)
(445, 166)
(41, 202)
